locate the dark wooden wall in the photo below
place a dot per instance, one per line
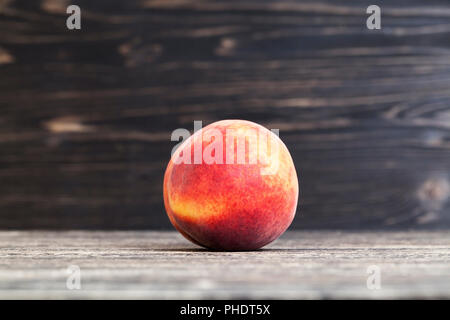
(86, 116)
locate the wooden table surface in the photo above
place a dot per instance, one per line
(162, 265)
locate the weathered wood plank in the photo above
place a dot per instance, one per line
(160, 265)
(86, 115)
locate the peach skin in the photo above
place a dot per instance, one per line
(231, 186)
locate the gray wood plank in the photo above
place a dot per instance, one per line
(164, 265)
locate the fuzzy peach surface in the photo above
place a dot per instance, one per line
(231, 206)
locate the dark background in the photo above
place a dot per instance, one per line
(86, 116)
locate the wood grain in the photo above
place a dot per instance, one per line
(86, 115)
(163, 265)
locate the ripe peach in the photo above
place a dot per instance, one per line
(226, 188)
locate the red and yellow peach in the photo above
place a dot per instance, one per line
(241, 195)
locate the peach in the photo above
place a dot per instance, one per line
(231, 186)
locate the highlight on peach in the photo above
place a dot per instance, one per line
(238, 144)
(232, 185)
